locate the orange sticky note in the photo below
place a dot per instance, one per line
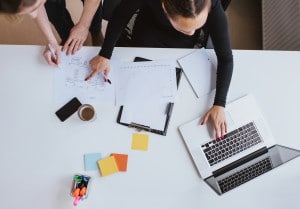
(121, 160)
(107, 166)
(139, 141)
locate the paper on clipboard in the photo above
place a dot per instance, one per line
(140, 114)
(200, 71)
(144, 82)
(152, 117)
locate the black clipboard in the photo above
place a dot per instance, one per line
(169, 109)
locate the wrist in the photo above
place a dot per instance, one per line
(103, 58)
(218, 107)
(52, 41)
(83, 25)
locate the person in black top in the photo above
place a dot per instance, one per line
(175, 24)
(60, 17)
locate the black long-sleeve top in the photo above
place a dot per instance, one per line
(153, 29)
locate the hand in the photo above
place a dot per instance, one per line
(52, 59)
(217, 115)
(98, 64)
(77, 37)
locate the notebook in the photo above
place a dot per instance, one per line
(200, 71)
(247, 151)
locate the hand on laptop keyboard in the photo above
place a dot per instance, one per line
(234, 142)
(217, 115)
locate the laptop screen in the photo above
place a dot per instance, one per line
(276, 156)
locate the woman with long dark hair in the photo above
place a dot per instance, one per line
(175, 24)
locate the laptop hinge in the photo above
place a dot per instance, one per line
(241, 161)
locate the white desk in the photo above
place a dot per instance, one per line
(39, 155)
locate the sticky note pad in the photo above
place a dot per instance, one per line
(107, 166)
(121, 161)
(90, 161)
(139, 141)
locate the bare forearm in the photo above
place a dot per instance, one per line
(89, 10)
(44, 25)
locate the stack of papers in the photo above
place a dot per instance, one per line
(131, 82)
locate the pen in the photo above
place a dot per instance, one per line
(52, 51)
(106, 79)
(169, 109)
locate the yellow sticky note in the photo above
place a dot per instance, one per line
(107, 166)
(139, 141)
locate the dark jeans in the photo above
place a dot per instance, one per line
(60, 17)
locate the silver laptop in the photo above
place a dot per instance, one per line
(247, 150)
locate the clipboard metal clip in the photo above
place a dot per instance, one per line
(139, 127)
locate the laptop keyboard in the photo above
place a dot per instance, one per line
(233, 143)
(245, 175)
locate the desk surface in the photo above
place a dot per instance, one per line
(39, 155)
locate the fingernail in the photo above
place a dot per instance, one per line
(201, 123)
(86, 79)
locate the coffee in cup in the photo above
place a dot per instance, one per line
(86, 112)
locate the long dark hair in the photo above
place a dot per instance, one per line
(13, 6)
(184, 8)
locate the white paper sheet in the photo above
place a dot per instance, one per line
(69, 81)
(152, 115)
(200, 72)
(131, 82)
(144, 82)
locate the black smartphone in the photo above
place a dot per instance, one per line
(68, 109)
